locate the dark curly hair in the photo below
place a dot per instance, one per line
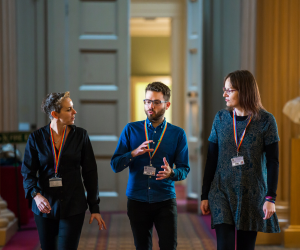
(52, 102)
(159, 87)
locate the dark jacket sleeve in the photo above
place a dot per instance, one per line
(90, 175)
(122, 157)
(210, 169)
(30, 166)
(272, 155)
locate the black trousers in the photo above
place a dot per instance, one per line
(62, 234)
(226, 238)
(163, 215)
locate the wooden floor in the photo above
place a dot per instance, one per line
(192, 234)
(118, 235)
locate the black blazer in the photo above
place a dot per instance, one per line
(77, 167)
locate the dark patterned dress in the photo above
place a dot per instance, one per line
(237, 194)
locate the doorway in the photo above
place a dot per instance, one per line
(150, 60)
(185, 34)
(157, 52)
(153, 21)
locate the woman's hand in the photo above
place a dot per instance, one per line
(42, 204)
(204, 206)
(269, 209)
(101, 222)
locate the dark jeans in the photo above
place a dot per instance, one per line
(163, 215)
(226, 238)
(59, 234)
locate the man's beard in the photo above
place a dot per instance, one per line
(155, 117)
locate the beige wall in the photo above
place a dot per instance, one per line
(278, 72)
(150, 56)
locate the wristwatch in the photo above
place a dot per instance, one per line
(172, 174)
(34, 193)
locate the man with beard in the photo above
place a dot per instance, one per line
(150, 149)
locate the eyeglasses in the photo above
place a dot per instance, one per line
(228, 91)
(155, 102)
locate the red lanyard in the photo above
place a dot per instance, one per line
(238, 143)
(57, 156)
(159, 141)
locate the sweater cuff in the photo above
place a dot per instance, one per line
(95, 209)
(34, 189)
(272, 194)
(204, 197)
(205, 192)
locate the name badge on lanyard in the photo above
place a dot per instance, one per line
(56, 181)
(150, 170)
(238, 160)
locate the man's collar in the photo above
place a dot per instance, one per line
(149, 124)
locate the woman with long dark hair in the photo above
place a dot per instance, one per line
(58, 160)
(241, 172)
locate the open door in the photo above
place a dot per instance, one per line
(89, 55)
(194, 88)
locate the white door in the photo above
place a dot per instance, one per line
(89, 55)
(194, 90)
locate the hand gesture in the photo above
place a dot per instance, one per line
(167, 171)
(42, 204)
(101, 222)
(204, 206)
(269, 209)
(142, 149)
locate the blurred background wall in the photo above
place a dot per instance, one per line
(278, 72)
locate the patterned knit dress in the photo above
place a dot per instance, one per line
(237, 194)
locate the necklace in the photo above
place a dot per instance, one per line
(56, 141)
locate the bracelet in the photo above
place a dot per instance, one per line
(270, 199)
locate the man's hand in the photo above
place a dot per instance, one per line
(142, 149)
(101, 222)
(42, 204)
(204, 206)
(167, 171)
(269, 209)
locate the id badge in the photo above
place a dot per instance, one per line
(149, 170)
(55, 182)
(237, 161)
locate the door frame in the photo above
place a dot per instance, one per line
(175, 10)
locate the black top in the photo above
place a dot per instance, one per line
(69, 199)
(272, 155)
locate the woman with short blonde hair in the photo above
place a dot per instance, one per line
(57, 158)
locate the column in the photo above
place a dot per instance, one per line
(8, 223)
(292, 233)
